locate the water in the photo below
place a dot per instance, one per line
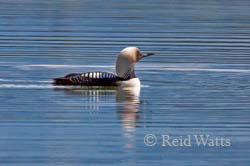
(197, 83)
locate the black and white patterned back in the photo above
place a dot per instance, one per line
(89, 79)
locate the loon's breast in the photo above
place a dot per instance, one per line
(133, 82)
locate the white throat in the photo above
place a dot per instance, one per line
(124, 68)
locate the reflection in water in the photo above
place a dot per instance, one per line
(127, 101)
(94, 97)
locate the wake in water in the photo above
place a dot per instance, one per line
(44, 81)
(16, 84)
(29, 86)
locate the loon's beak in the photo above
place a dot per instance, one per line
(143, 55)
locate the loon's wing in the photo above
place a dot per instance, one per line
(89, 79)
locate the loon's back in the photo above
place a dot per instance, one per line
(89, 79)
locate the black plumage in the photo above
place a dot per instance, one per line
(89, 79)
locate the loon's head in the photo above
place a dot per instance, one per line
(126, 61)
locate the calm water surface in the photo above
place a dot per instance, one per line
(197, 83)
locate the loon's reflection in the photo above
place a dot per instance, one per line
(128, 106)
(127, 102)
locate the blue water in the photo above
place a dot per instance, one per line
(198, 83)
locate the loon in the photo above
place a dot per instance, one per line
(125, 72)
